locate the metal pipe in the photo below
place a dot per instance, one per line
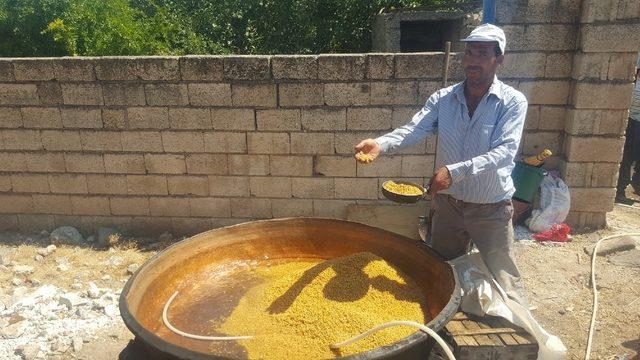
(488, 11)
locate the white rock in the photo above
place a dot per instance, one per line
(3, 307)
(35, 282)
(132, 268)
(76, 286)
(28, 351)
(77, 344)
(13, 331)
(106, 278)
(93, 291)
(66, 235)
(20, 291)
(71, 300)
(16, 282)
(63, 267)
(51, 248)
(115, 261)
(23, 269)
(38, 257)
(111, 310)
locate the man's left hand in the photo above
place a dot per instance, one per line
(441, 180)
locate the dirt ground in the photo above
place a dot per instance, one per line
(556, 279)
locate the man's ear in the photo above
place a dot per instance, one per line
(500, 59)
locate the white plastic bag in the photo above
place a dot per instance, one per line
(555, 202)
(482, 295)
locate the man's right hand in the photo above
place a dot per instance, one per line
(368, 147)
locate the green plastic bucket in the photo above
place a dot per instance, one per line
(526, 179)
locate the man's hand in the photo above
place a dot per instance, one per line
(441, 180)
(367, 151)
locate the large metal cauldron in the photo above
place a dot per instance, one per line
(146, 292)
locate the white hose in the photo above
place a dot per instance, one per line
(594, 309)
(424, 328)
(166, 322)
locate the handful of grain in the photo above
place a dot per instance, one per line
(364, 158)
(402, 189)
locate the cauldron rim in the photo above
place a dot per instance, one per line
(388, 351)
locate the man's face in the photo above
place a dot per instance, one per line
(480, 62)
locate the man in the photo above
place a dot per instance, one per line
(479, 124)
(631, 152)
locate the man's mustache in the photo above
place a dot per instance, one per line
(473, 68)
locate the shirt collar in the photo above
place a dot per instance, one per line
(495, 89)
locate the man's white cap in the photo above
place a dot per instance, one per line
(488, 32)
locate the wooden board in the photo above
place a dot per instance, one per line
(489, 338)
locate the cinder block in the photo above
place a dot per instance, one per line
(593, 149)
(605, 175)
(300, 94)
(312, 143)
(41, 162)
(313, 188)
(14, 162)
(19, 94)
(16, 204)
(252, 67)
(590, 95)
(515, 34)
(33, 69)
(347, 94)
(9, 222)
(5, 184)
(256, 95)
(215, 164)
(165, 164)
(368, 118)
(550, 37)
(540, 11)
(425, 90)
(334, 209)
(11, 118)
(114, 119)
(552, 118)
(162, 94)
(147, 141)
(210, 207)
(188, 185)
(382, 166)
(182, 141)
(84, 163)
(248, 164)
(82, 94)
(29, 222)
(6, 70)
(100, 141)
(268, 143)
(360, 188)
(592, 199)
(576, 174)
(107, 184)
(558, 65)
(168, 206)
(628, 9)
(622, 66)
(251, 208)
(148, 118)
(21, 139)
(68, 183)
(271, 187)
(73, 69)
(394, 93)
(419, 66)
(380, 66)
(417, 165)
(124, 163)
(618, 37)
(346, 141)
(283, 208)
(146, 185)
(124, 94)
(291, 165)
(335, 166)
(30, 183)
(189, 118)
(225, 142)
(82, 118)
(523, 65)
(190, 226)
(294, 67)
(202, 68)
(52, 204)
(598, 10)
(34, 117)
(50, 93)
(546, 92)
(580, 220)
(534, 143)
(233, 119)
(590, 66)
(324, 119)
(278, 119)
(341, 67)
(129, 205)
(532, 120)
(210, 94)
(228, 186)
(138, 68)
(90, 205)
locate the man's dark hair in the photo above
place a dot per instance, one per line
(497, 50)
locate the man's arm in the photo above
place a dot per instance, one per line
(503, 149)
